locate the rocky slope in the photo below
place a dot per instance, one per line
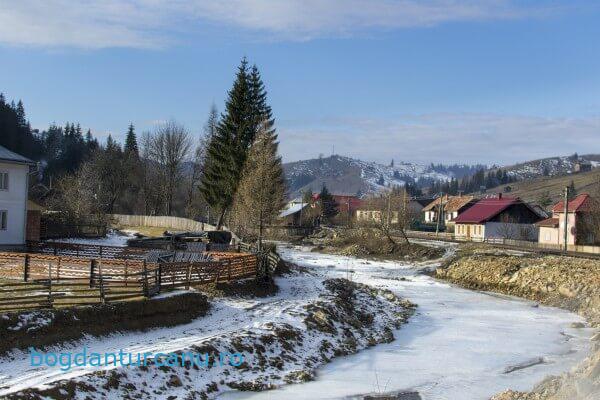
(566, 282)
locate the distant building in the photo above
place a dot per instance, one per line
(582, 166)
(14, 183)
(292, 215)
(450, 207)
(579, 222)
(347, 204)
(499, 217)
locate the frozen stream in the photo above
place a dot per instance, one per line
(459, 345)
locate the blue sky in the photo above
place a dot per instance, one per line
(494, 81)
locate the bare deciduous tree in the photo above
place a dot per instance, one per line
(169, 146)
(389, 213)
(261, 192)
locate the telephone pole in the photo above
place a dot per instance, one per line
(439, 216)
(566, 219)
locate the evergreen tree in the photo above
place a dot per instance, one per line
(245, 110)
(261, 113)
(572, 190)
(329, 207)
(131, 145)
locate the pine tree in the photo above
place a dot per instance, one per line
(329, 208)
(131, 145)
(245, 110)
(572, 190)
(261, 113)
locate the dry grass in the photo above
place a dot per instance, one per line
(150, 231)
(532, 190)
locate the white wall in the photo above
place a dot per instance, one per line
(14, 200)
(500, 230)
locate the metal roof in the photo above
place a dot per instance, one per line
(485, 209)
(292, 210)
(9, 156)
(579, 203)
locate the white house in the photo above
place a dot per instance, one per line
(14, 177)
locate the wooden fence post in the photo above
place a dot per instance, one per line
(160, 265)
(125, 272)
(26, 268)
(188, 275)
(102, 297)
(92, 268)
(145, 278)
(50, 299)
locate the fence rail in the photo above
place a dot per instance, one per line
(33, 280)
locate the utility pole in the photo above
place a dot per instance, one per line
(389, 205)
(566, 218)
(439, 216)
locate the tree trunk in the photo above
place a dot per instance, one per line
(221, 218)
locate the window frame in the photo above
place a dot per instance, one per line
(3, 220)
(5, 181)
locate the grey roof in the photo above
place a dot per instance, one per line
(9, 156)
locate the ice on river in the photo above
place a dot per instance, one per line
(460, 344)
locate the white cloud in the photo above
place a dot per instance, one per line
(156, 23)
(449, 138)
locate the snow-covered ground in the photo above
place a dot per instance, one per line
(459, 345)
(113, 238)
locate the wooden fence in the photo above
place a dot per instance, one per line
(177, 223)
(87, 250)
(29, 281)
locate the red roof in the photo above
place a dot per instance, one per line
(549, 222)
(579, 203)
(485, 209)
(347, 203)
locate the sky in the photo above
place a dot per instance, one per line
(443, 81)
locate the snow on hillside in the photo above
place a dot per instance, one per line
(552, 166)
(351, 174)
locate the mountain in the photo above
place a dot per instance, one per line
(552, 166)
(351, 176)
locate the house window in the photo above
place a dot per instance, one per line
(3, 180)
(3, 219)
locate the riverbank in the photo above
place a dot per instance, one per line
(460, 344)
(372, 244)
(283, 339)
(565, 282)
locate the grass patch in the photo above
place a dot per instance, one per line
(149, 231)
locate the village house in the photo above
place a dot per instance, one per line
(582, 166)
(430, 211)
(370, 214)
(347, 204)
(579, 221)
(497, 218)
(14, 183)
(292, 214)
(450, 206)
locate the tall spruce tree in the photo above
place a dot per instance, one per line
(131, 145)
(329, 207)
(246, 110)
